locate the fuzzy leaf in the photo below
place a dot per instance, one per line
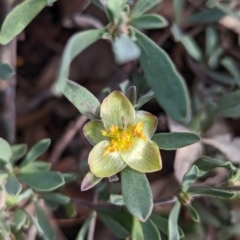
(143, 6)
(114, 226)
(5, 151)
(212, 192)
(19, 218)
(144, 99)
(228, 105)
(42, 181)
(37, 150)
(43, 221)
(173, 232)
(168, 86)
(56, 198)
(19, 18)
(82, 99)
(13, 186)
(137, 194)
(149, 21)
(193, 213)
(175, 140)
(18, 151)
(75, 45)
(150, 230)
(190, 177)
(125, 49)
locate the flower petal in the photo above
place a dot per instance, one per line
(117, 110)
(105, 165)
(149, 122)
(143, 156)
(92, 131)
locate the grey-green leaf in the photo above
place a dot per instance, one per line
(143, 6)
(117, 199)
(149, 21)
(168, 86)
(144, 99)
(82, 99)
(13, 186)
(212, 192)
(114, 226)
(125, 49)
(37, 150)
(43, 220)
(228, 105)
(189, 178)
(36, 166)
(6, 71)
(42, 181)
(150, 230)
(19, 218)
(18, 151)
(83, 231)
(193, 213)
(19, 18)
(5, 151)
(175, 140)
(173, 233)
(178, 8)
(76, 44)
(56, 197)
(136, 193)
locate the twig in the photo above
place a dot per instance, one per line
(68, 135)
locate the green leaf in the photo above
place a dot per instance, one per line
(220, 77)
(230, 64)
(144, 99)
(164, 79)
(117, 199)
(212, 192)
(189, 178)
(125, 49)
(36, 166)
(175, 140)
(173, 233)
(149, 21)
(137, 232)
(6, 71)
(193, 213)
(82, 99)
(13, 186)
(228, 105)
(37, 150)
(18, 151)
(19, 218)
(143, 6)
(162, 224)
(211, 41)
(137, 194)
(43, 220)
(42, 181)
(178, 8)
(114, 226)
(69, 177)
(56, 197)
(191, 47)
(206, 164)
(150, 231)
(51, 205)
(206, 16)
(75, 45)
(114, 9)
(83, 231)
(5, 151)
(19, 18)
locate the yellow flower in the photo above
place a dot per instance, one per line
(122, 138)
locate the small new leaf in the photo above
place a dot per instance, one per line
(193, 213)
(89, 181)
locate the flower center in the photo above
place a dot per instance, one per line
(121, 139)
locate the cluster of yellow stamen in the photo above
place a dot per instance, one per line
(121, 139)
